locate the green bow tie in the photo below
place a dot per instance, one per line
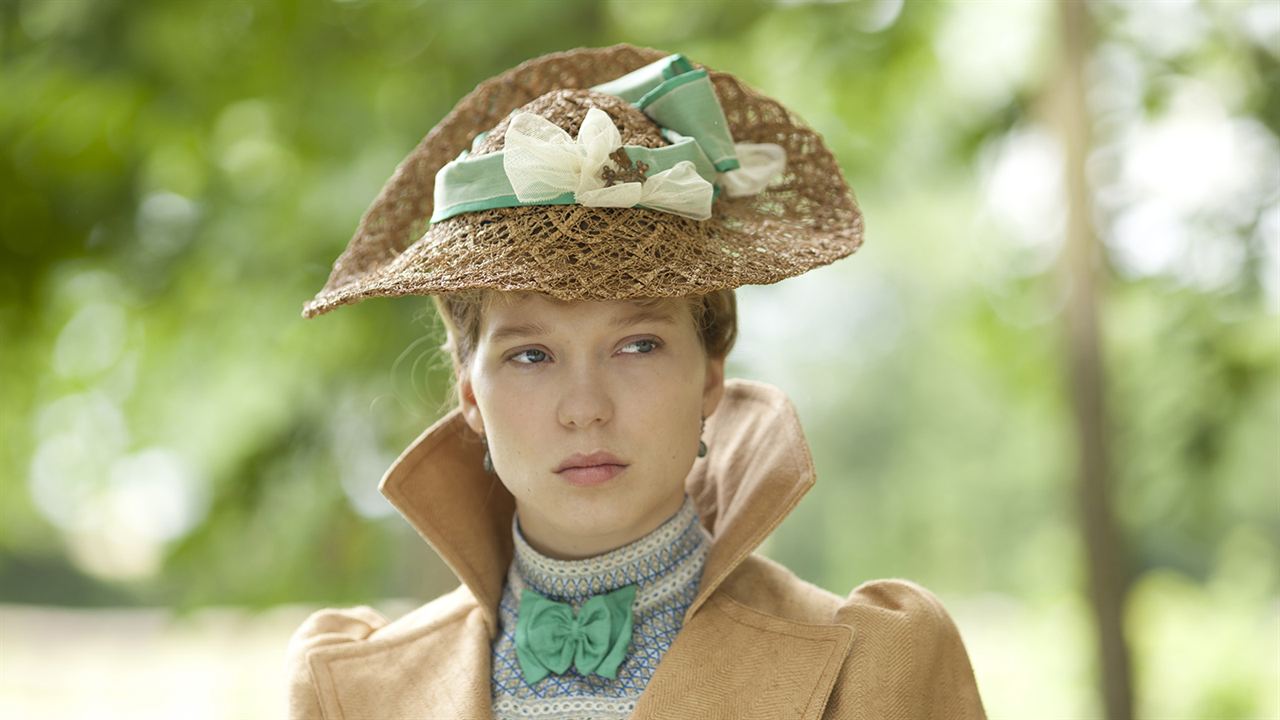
(549, 636)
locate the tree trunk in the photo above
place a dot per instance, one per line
(1082, 265)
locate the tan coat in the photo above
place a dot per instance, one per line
(757, 642)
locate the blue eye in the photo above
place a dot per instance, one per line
(534, 355)
(649, 345)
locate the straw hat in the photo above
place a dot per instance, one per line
(756, 199)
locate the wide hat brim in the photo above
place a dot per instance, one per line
(806, 218)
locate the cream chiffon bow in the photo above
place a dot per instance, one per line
(542, 162)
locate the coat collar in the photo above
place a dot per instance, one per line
(730, 660)
(757, 470)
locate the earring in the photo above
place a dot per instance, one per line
(702, 447)
(488, 461)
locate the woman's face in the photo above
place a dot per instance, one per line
(551, 379)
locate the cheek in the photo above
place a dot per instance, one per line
(504, 403)
(517, 416)
(666, 401)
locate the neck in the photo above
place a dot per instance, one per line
(557, 546)
(678, 542)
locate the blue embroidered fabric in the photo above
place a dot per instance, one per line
(666, 565)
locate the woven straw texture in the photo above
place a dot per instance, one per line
(806, 218)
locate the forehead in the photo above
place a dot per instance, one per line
(509, 314)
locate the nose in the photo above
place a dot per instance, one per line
(586, 400)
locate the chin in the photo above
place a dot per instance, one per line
(596, 511)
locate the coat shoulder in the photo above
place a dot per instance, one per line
(908, 658)
(896, 596)
(353, 630)
(768, 586)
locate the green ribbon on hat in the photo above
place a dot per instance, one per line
(637, 83)
(480, 183)
(678, 98)
(550, 637)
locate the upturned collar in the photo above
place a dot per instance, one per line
(758, 468)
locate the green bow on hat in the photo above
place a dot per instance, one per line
(701, 160)
(550, 637)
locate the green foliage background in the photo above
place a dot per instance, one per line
(177, 177)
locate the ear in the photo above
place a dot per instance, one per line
(467, 401)
(713, 388)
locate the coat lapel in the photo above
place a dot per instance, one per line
(729, 660)
(439, 486)
(757, 469)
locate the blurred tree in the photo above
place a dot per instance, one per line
(176, 178)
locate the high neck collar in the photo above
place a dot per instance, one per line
(757, 470)
(645, 562)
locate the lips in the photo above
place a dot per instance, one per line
(579, 460)
(591, 476)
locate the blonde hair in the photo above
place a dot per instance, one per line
(715, 317)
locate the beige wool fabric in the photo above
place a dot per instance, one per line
(758, 642)
(806, 218)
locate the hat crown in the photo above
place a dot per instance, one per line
(567, 108)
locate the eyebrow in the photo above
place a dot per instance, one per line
(531, 329)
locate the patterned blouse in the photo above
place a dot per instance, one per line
(666, 566)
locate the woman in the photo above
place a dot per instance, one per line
(601, 487)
